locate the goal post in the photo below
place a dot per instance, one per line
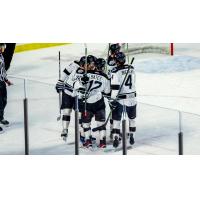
(157, 48)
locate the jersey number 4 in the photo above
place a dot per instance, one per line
(94, 85)
(129, 81)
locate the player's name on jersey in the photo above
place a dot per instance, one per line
(91, 76)
(131, 71)
(95, 77)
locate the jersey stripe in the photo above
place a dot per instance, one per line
(115, 87)
(66, 72)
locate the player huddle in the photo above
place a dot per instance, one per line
(94, 79)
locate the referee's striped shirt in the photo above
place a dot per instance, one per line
(3, 75)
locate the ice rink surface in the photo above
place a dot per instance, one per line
(163, 82)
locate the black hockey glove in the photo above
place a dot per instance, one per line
(82, 90)
(60, 86)
(85, 79)
(113, 104)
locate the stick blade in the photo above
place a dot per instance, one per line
(58, 118)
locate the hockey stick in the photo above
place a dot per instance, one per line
(127, 49)
(106, 70)
(106, 122)
(85, 74)
(60, 95)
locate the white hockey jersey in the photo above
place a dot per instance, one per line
(110, 65)
(128, 92)
(65, 76)
(98, 84)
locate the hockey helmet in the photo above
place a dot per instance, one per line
(120, 57)
(100, 64)
(82, 61)
(114, 48)
(91, 59)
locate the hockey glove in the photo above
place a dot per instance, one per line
(85, 79)
(82, 90)
(79, 87)
(60, 86)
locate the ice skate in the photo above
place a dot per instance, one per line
(64, 134)
(102, 144)
(131, 139)
(87, 143)
(4, 122)
(116, 141)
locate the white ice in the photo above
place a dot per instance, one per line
(162, 81)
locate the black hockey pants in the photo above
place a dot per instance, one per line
(3, 99)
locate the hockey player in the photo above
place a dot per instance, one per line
(3, 91)
(67, 95)
(113, 49)
(111, 63)
(92, 89)
(100, 64)
(126, 99)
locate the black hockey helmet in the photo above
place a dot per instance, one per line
(120, 57)
(114, 48)
(82, 61)
(100, 64)
(91, 59)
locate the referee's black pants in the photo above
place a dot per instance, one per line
(3, 99)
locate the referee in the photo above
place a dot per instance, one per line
(3, 90)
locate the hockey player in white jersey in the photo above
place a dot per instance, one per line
(91, 100)
(111, 63)
(67, 95)
(126, 97)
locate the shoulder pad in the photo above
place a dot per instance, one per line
(74, 64)
(80, 71)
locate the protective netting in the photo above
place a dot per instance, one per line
(139, 48)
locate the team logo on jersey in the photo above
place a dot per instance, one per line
(114, 70)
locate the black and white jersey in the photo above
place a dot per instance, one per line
(111, 63)
(3, 75)
(98, 83)
(128, 91)
(65, 76)
(109, 70)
